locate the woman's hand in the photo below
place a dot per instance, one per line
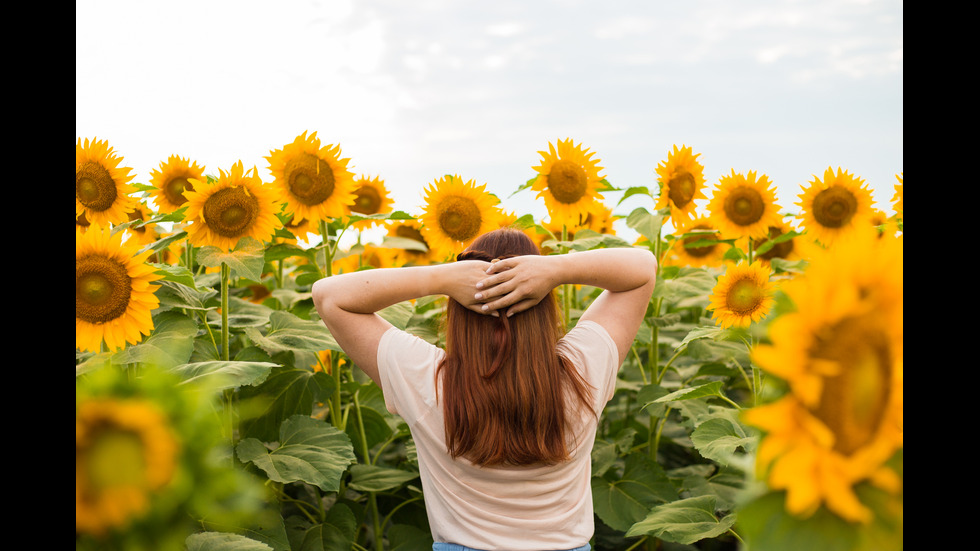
(516, 284)
(462, 281)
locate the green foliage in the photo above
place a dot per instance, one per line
(672, 464)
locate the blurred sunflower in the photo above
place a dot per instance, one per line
(684, 252)
(743, 205)
(568, 179)
(371, 197)
(171, 179)
(124, 452)
(102, 190)
(113, 291)
(835, 205)
(841, 353)
(455, 213)
(744, 294)
(367, 255)
(410, 229)
(313, 181)
(887, 227)
(897, 198)
(234, 206)
(682, 182)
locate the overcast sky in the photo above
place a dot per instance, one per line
(415, 90)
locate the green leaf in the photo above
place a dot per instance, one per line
(690, 282)
(646, 223)
(282, 251)
(620, 503)
(372, 478)
(220, 375)
(684, 521)
(406, 243)
(709, 389)
(648, 396)
(175, 295)
(170, 344)
(221, 541)
(405, 537)
(717, 439)
(337, 532)
(289, 332)
(523, 186)
(286, 391)
(631, 191)
(309, 451)
(246, 260)
(376, 429)
(174, 272)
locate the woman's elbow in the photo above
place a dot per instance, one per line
(322, 296)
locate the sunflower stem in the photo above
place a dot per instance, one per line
(366, 454)
(653, 353)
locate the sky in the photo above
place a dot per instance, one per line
(412, 91)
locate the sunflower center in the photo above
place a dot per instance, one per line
(567, 181)
(229, 212)
(94, 186)
(834, 207)
(410, 233)
(102, 289)
(699, 252)
(174, 190)
(744, 206)
(116, 458)
(779, 250)
(367, 200)
(681, 188)
(744, 297)
(854, 401)
(459, 218)
(310, 179)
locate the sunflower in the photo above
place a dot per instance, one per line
(743, 205)
(682, 182)
(171, 179)
(743, 295)
(409, 229)
(367, 255)
(313, 181)
(144, 233)
(455, 213)
(113, 291)
(684, 253)
(790, 249)
(841, 353)
(371, 197)
(569, 180)
(897, 198)
(234, 206)
(102, 190)
(835, 205)
(124, 451)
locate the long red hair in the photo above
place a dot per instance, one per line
(505, 388)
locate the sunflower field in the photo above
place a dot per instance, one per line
(761, 407)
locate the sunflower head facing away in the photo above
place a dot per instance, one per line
(744, 294)
(835, 205)
(114, 294)
(841, 353)
(455, 213)
(568, 179)
(171, 180)
(744, 205)
(681, 178)
(234, 206)
(102, 189)
(370, 197)
(313, 181)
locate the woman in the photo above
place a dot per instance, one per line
(504, 419)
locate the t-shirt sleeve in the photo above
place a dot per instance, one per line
(589, 346)
(406, 367)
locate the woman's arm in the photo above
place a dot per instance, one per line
(348, 303)
(626, 274)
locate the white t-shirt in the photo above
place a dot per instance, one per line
(528, 508)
